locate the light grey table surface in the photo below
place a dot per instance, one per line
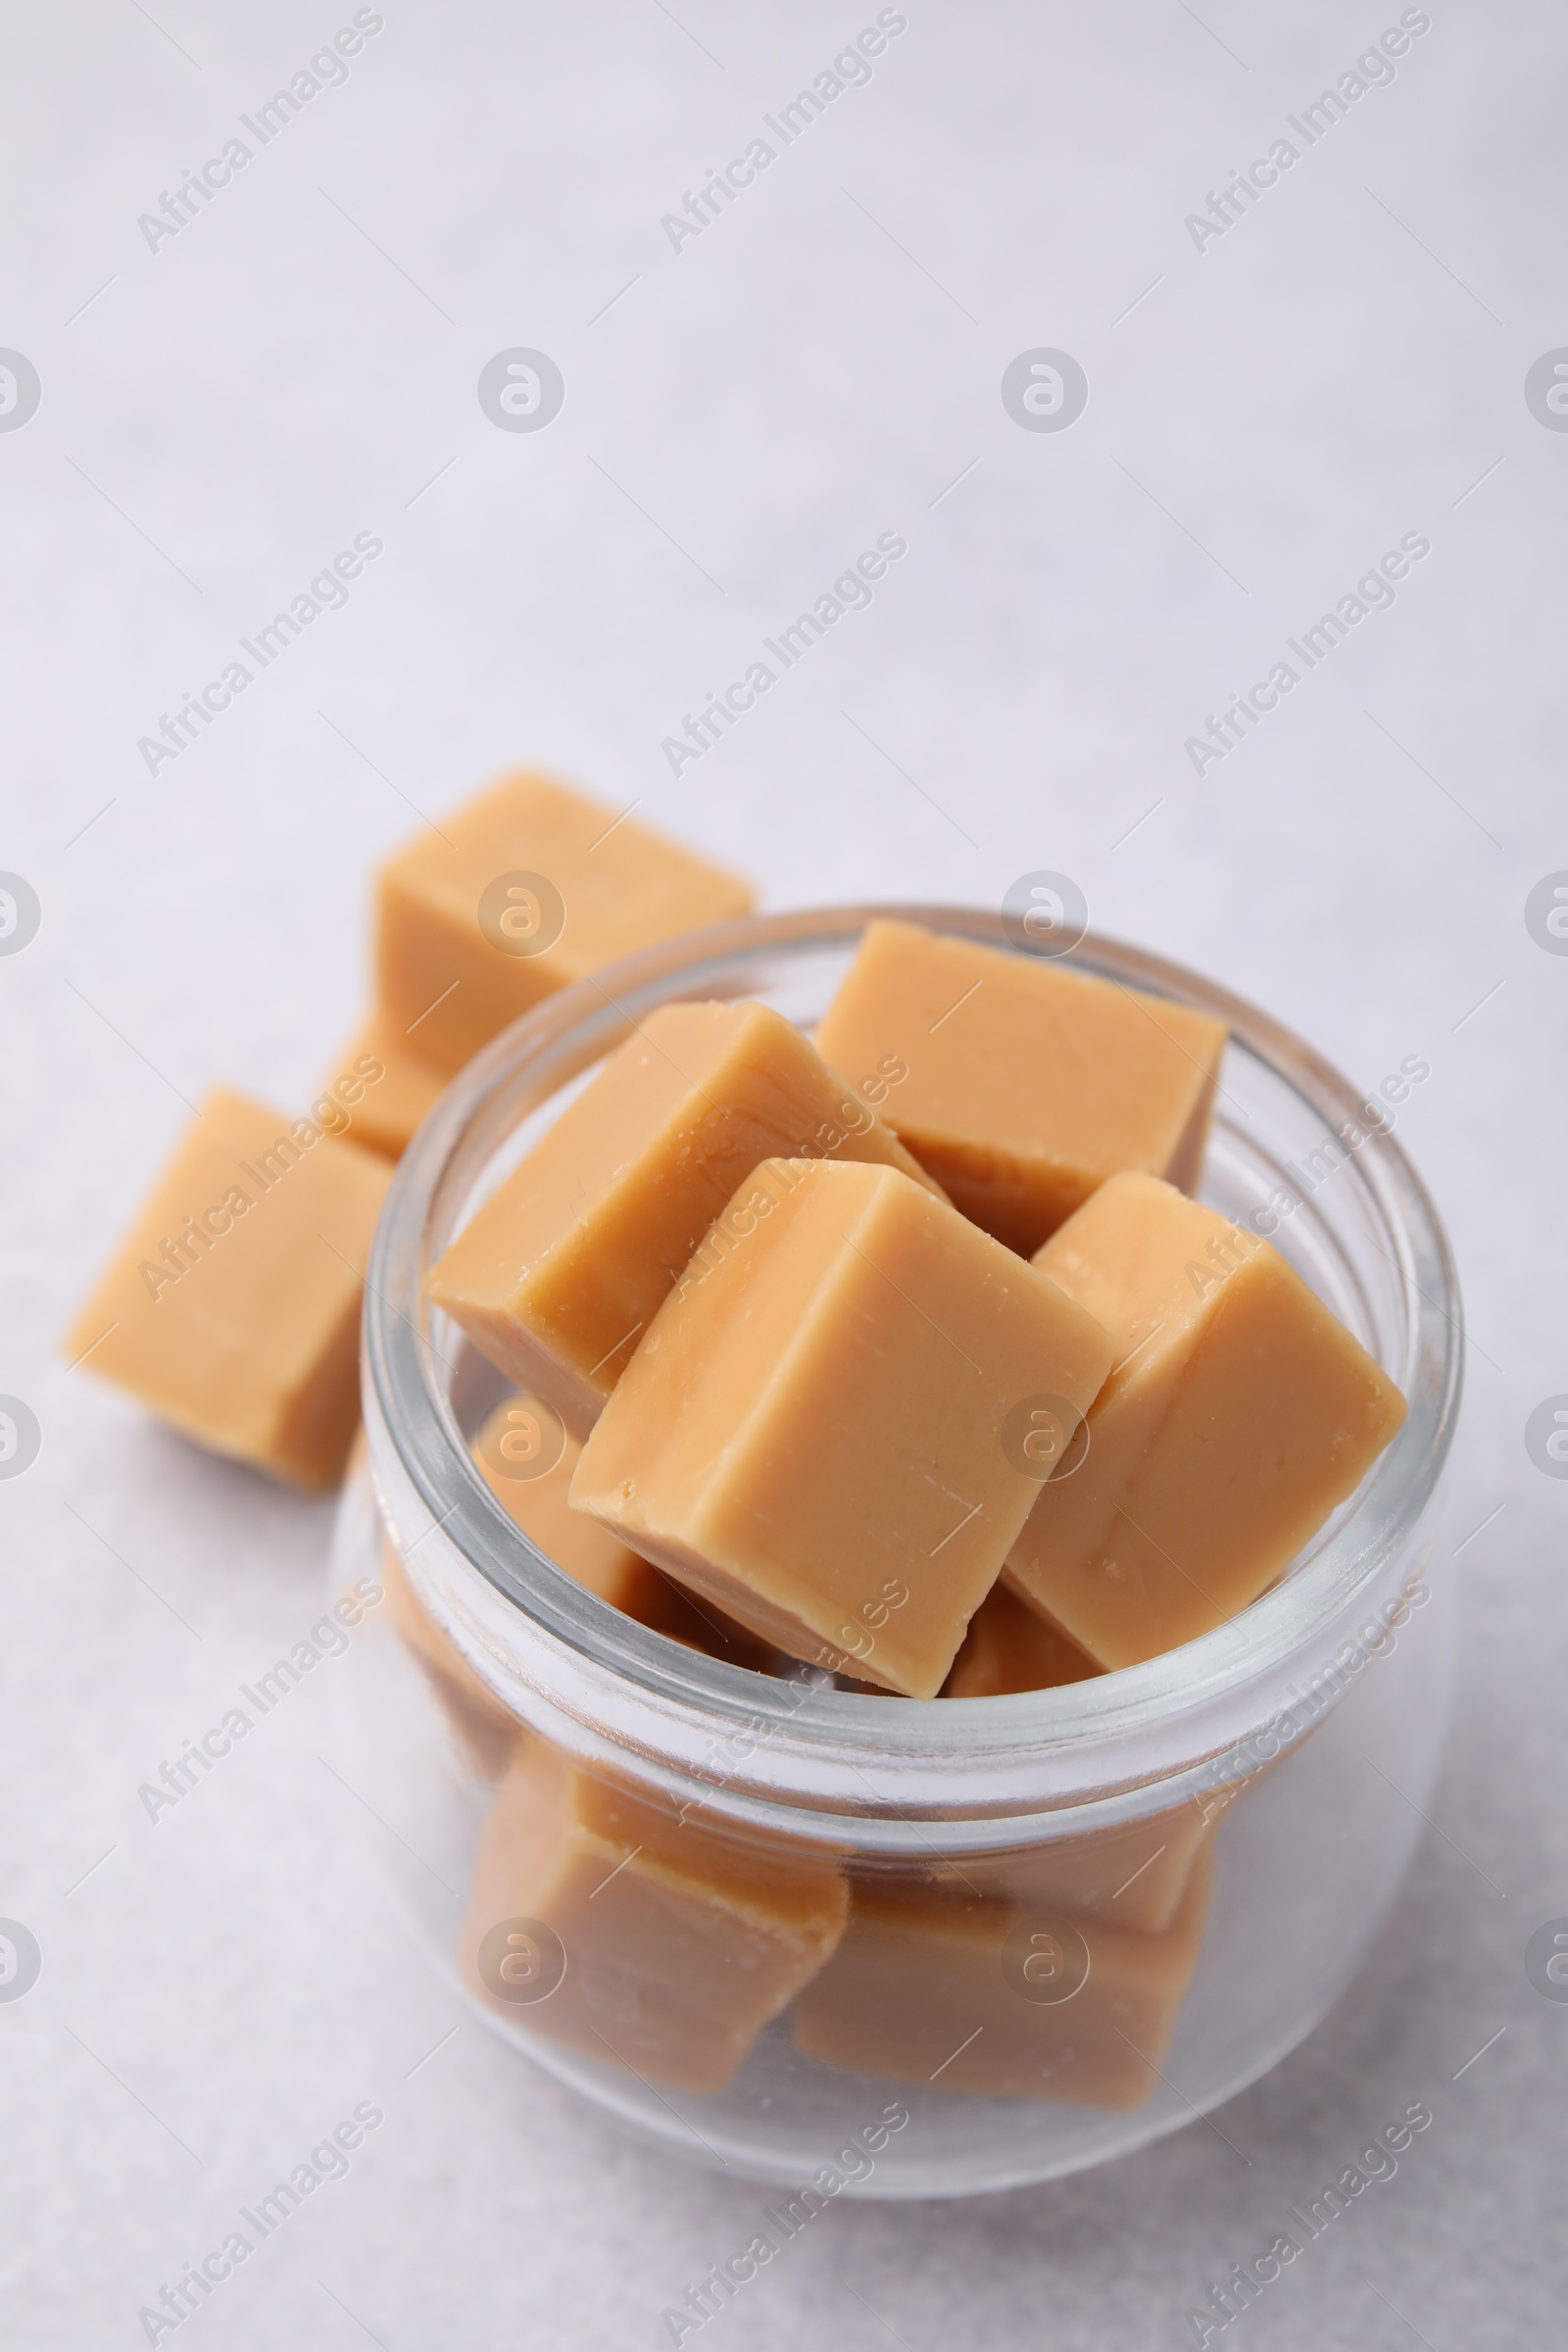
(222, 409)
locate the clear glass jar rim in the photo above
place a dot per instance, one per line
(1193, 1699)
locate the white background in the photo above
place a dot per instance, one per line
(1343, 366)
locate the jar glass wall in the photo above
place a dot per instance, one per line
(897, 1947)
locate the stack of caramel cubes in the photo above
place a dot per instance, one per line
(900, 1356)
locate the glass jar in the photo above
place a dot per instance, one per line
(848, 1943)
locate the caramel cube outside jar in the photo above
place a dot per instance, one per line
(231, 1307)
(522, 891)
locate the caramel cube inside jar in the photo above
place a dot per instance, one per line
(557, 1276)
(754, 1345)
(1010, 1646)
(814, 1433)
(1028, 1085)
(1133, 1876)
(975, 1994)
(231, 1307)
(520, 892)
(1130, 1875)
(526, 1457)
(1239, 1414)
(484, 1728)
(604, 1919)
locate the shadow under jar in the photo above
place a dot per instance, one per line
(864, 1944)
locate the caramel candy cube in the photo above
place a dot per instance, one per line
(526, 1458)
(485, 1727)
(1028, 1085)
(1240, 1413)
(1132, 1875)
(814, 1433)
(561, 1270)
(660, 1944)
(517, 893)
(983, 1996)
(1010, 1646)
(232, 1308)
(383, 1087)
